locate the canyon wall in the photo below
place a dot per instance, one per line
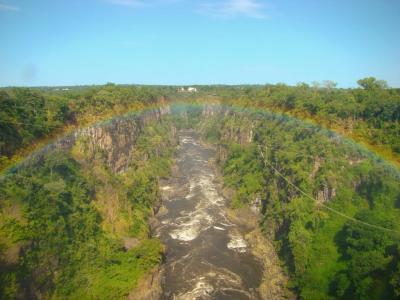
(115, 138)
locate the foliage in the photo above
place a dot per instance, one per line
(64, 219)
(31, 115)
(369, 114)
(326, 255)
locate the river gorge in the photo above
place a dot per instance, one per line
(207, 255)
(177, 203)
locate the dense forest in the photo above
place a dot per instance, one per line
(328, 256)
(369, 114)
(28, 116)
(73, 227)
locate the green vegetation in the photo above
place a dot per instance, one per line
(369, 114)
(28, 116)
(327, 256)
(66, 219)
(70, 227)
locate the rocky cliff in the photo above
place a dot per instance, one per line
(114, 138)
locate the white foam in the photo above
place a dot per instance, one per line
(200, 160)
(227, 225)
(201, 288)
(186, 233)
(218, 228)
(191, 225)
(205, 284)
(188, 196)
(205, 182)
(166, 188)
(187, 140)
(237, 243)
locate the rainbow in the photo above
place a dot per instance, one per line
(176, 107)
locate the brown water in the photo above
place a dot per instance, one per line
(207, 257)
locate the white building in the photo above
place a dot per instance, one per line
(189, 90)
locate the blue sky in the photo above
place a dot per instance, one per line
(57, 42)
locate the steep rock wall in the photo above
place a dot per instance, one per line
(115, 138)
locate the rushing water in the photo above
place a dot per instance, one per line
(207, 257)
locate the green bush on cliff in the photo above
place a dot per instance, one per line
(327, 256)
(57, 240)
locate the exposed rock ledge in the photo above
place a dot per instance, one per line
(274, 283)
(149, 287)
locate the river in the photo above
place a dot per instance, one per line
(207, 256)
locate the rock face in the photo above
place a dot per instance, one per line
(150, 287)
(115, 139)
(326, 194)
(274, 284)
(214, 110)
(242, 135)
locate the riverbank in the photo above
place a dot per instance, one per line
(150, 286)
(244, 223)
(207, 257)
(274, 284)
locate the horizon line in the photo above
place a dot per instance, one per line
(355, 86)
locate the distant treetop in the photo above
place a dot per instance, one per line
(371, 83)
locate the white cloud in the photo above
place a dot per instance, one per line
(137, 3)
(6, 7)
(217, 8)
(234, 8)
